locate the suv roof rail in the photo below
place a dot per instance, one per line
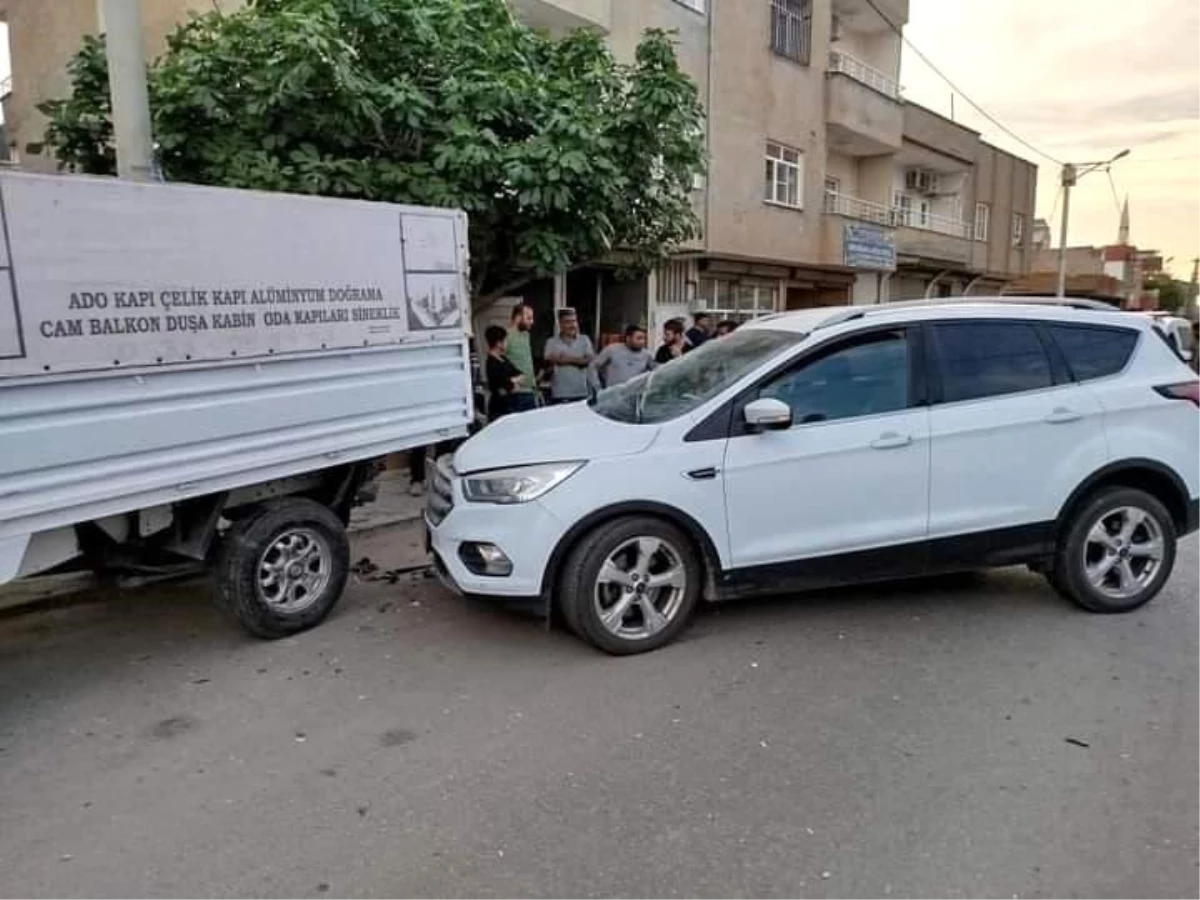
(847, 315)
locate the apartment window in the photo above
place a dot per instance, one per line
(983, 214)
(902, 209)
(833, 186)
(784, 176)
(1018, 230)
(736, 300)
(791, 29)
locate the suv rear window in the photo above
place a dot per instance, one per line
(989, 359)
(1094, 352)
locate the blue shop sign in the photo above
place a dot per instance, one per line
(869, 247)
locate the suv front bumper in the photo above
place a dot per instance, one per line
(526, 533)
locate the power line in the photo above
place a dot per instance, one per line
(1054, 208)
(979, 109)
(1112, 184)
(1155, 159)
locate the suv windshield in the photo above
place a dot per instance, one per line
(683, 384)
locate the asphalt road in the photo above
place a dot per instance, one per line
(960, 738)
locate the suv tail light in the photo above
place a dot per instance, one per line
(1184, 390)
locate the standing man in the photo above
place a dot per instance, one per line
(568, 354)
(673, 345)
(700, 331)
(520, 354)
(617, 363)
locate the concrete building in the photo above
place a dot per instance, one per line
(1118, 270)
(824, 186)
(43, 35)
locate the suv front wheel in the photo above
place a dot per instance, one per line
(1117, 551)
(631, 585)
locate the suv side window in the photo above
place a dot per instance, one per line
(990, 359)
(863, 376)
(1094, 352)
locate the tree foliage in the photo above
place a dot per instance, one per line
(1172, 294)
(558, 153)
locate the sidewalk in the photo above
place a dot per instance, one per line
(393, 504)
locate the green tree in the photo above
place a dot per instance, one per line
(559, 154)
(1172, 294)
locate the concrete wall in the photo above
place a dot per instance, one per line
(864, 112)
(41, 38)
(561, 15)
(1080, 261)
(43, 35)
(845, 169)
(1008, 184)
(758, 96)
(630, 19)
(925, 127)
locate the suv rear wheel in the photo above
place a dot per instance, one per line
(631, 585)
(1117, 552)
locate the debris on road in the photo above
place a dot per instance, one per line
(1077, 742)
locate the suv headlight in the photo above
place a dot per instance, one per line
(519, 484)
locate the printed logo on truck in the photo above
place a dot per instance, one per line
(430, 263)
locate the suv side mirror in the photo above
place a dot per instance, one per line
(768, 414)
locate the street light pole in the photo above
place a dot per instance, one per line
(1070, 177)
(1068, 181)
(122, 24)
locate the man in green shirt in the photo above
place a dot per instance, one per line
(520, 354)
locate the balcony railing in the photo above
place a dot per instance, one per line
(863, 73)
(852, 208)
(914, 218)
(894, 216)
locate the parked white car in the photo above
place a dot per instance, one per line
(1178, 332)
(833, 446)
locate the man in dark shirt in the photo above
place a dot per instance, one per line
(504, 380)
(673, 344)
(700, 331)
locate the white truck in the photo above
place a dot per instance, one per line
(193, 375)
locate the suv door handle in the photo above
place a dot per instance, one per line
(890, 440)
(1062, 415)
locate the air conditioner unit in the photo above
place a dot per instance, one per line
(921, 181)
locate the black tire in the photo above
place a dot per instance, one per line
(675, 553)
(1069, 575)
(270, 526)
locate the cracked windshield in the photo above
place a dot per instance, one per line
(599, 448)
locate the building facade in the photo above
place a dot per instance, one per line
(43, 35)
(1115, 273)
(824, 186)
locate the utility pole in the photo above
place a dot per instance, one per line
(1070, 177)
(121, 21)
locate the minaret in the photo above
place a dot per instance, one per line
(1123, 231)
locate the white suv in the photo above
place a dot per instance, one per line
(833, 446)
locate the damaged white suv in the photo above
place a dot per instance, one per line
(833, 446)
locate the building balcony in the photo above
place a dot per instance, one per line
(857, 233)
(864, 116)
(936, 239)
(559, 16)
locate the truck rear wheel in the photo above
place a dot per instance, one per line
(281, 568)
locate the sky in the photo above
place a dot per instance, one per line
(1080, 80)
